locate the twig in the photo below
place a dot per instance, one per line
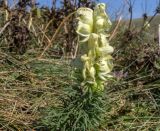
(55, 34)
(4, 27)
(115, 30)
(159, 34)
(130, 4)
(46, 29)
(44, 35)
(76, 50)
(149, 21)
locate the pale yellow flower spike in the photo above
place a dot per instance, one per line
(92, 30)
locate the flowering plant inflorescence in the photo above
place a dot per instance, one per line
(93, 27)
(83, 110)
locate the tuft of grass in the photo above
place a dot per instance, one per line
(77, 112)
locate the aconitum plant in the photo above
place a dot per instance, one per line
(83, 107)
(93, 27)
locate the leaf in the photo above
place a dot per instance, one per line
(157, 64)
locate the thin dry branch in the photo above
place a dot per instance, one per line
(4, 27)
(115, 30)
(56, 33)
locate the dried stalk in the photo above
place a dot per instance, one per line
(56, 33)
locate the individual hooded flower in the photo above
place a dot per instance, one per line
(85, 23)
(88, 69)
(93, 45)
(104, 67)
(101, 19)
(104, 47)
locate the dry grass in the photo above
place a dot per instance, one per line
(26, 89)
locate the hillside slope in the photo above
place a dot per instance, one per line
(154, 23)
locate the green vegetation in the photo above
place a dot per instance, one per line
(40, 89)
